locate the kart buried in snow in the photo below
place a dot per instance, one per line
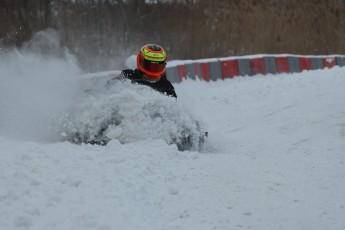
(129, 113)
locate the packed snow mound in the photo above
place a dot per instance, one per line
(130, 113)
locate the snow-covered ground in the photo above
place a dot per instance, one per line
(275, 160)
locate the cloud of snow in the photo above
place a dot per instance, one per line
(131, 113)
(37, 84)
(41, 99)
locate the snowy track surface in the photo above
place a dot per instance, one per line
(276, 161)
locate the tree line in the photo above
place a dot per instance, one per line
(102, 33)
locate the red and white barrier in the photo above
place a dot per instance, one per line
(222, 68)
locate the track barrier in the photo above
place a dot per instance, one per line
(223, 68)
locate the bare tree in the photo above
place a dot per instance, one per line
(102, 33)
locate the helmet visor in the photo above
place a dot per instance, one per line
(152, 66)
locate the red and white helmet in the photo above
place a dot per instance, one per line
(151, 60)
